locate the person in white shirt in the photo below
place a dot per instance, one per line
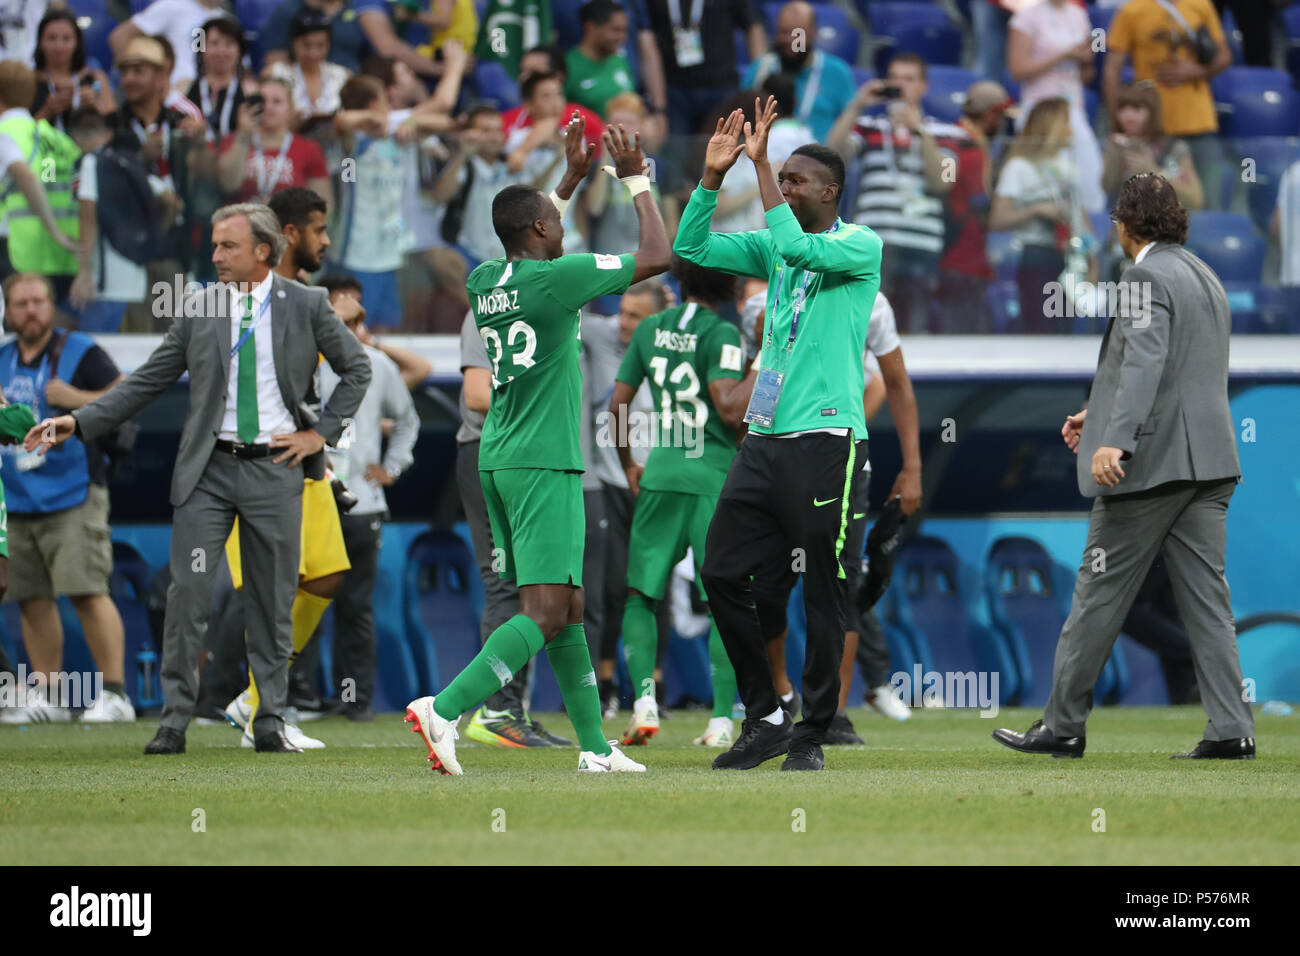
(1286, 225)
(315, 81)
(182, 23)
(19, 20)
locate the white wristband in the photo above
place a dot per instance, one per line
(636, 185)
(560, 204)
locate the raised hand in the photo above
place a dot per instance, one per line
(756, 136)
(625, 151)
(577, 151)
(723, 149)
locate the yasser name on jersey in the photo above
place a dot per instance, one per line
(675, 341)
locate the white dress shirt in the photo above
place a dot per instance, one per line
(273, 417)
(1142, 253)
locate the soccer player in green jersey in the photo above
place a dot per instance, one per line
(530, 463)
(698, 382)
(787, 492)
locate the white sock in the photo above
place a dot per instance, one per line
(786, 698)
(776, 718)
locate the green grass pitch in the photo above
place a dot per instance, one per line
(936, 789)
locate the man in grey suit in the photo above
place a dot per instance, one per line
(250, 345)
(1158, 454)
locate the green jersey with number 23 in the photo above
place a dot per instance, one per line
(527, 313)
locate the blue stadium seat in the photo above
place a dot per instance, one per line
(742, 52)
(253, 14)
(1260, 309)
(913, 28)
(861, 74)
(885, 18)
(98, 51)
(1271, 156)
(564, 17)
(138, 5)
(492, 82)
(947, 94)
(1029, 598)
(1232, 34)
(88, 8)
(1100, 17)
(1229, 244)
(442, 628)
(933, 600)
(1256, 101)
(1003, 298)
(129, 586)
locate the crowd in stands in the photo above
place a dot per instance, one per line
(984, 138)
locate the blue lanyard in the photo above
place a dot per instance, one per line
(251, 325)
(798, 299)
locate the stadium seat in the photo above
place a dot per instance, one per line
(564, 17)
(742, 52)
(1029, 598)
(138, 5)
(129, 586)
(1232, 34)
(492, 82)
(1003, 298)
(98, 52)
(1229, 244)
(88, 8)
(947, 94)
(1256, 101)
(442, 628)
(933, 600)
(861, 74)
(1271, 156)
(254, 14)
(1260, 309)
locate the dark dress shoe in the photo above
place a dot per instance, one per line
(758, 741)
(166, 741)
(804, 755)
(274, 743)
(1039, 740)
(841, 733)
(1239, 748)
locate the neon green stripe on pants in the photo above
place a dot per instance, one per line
(844, 504)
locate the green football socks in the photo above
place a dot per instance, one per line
(508, 648)
(724, 675)
(640, 642)
(571, 661)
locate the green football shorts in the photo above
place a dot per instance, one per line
(664, 524)
(538, 523)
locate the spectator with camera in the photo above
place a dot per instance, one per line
(902, 187)
(64, 80)
(264, 155)
(59, 538)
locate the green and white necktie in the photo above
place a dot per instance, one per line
(246, 394)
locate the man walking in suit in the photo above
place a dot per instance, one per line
(250, 346)
(1159, 458)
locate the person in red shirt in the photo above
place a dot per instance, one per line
(964, 270)
(539, 60)
(264, 156)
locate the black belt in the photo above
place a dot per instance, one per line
(240, 450)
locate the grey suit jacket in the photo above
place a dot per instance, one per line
(1161, 390)
(302, 325)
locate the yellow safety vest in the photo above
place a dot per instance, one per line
(53, 157)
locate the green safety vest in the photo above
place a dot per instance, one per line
(53, 157)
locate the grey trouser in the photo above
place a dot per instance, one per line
(268, 501)
(1125, 533)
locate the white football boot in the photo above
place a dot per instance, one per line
(719, 733)
(644, 723)
(886, 702)
(439, 735)
(614, 762)
(240, 711)
(292, 734)
(109, 708)
(36, 709)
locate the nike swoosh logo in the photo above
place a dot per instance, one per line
(604, 765)
(818, 504)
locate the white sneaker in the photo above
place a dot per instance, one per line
(109, 708)
(301, 740)
(246, 740)
(240, 711)
(887, 703)
(614, 762)
(717, 734)
(644, 723)
(440, 735)
(36, 710)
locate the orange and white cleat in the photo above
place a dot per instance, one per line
(644, 723)
(439, 735)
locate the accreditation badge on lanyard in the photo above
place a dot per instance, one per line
(688, 45)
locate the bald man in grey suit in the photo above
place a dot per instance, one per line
(251, 346)
(1158, 454)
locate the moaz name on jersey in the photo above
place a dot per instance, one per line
(497, 301)
(675, 341)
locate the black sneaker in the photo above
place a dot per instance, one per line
(359, 713)
(804, 755)
(758, 741)
(841, 733)
(555, 740)
(793, 705)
